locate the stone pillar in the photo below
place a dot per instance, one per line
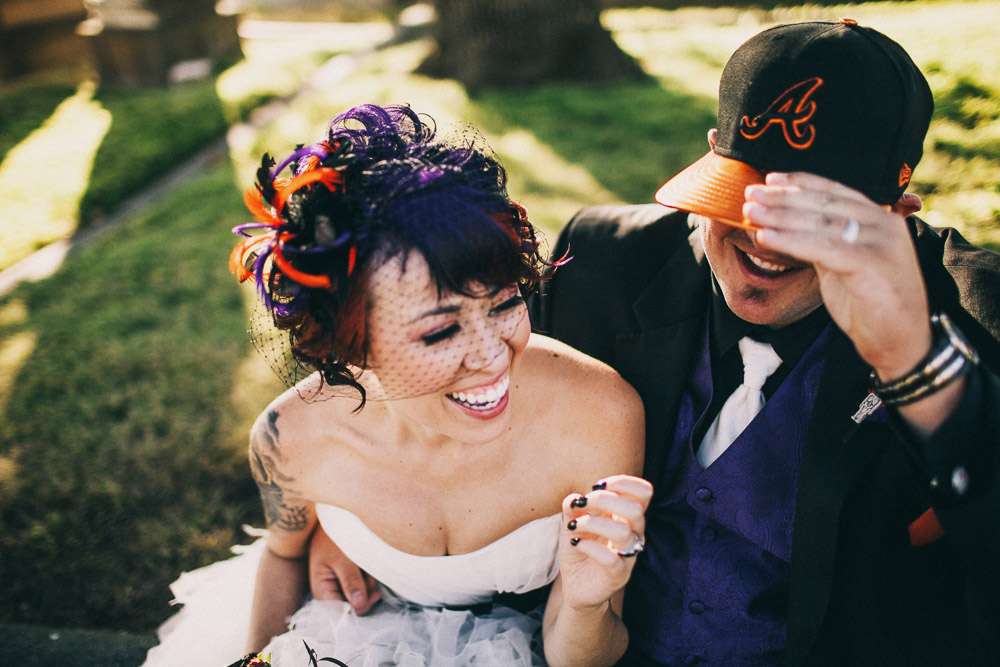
(137, 42)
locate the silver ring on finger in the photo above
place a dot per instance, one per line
(635, 548)
(851, 231)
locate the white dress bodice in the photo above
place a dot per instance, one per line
(518, 562)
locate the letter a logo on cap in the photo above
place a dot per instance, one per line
(791, 111)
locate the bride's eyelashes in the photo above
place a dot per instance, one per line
(449, 331)
(443, 334)
(512, 302)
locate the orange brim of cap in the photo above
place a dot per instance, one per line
(714, 187)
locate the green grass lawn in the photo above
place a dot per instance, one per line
(126, 381)
(123, 457)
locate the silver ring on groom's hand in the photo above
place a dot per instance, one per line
(633, 549)
(851, 231)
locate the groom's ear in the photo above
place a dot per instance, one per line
(908, 204)
(712, 134)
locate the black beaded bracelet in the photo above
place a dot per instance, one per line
(950, 358)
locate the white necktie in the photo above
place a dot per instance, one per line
(759, 362)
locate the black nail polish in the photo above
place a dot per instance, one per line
(600, 486)
(571, 525)
(579, 502)
(574, 541)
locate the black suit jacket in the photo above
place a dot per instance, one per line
(636, 294)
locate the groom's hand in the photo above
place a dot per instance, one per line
(863, 256)
(868, 274)
(333, 576)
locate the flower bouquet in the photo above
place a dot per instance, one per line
(261, 660)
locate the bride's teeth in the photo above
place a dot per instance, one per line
(487, 398)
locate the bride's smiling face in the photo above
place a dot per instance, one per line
(445, 359)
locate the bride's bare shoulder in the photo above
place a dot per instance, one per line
(556, 364)
(599, 413)
(292, 428)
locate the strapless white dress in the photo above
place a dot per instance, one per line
(415, 624)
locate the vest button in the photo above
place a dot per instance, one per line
(696, 607)
(960, 480)
(704, 494)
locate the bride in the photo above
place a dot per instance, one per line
(475, 462)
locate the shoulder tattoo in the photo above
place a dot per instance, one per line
(281, 508)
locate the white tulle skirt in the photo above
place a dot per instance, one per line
(211, 629)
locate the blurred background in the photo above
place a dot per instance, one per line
(128, 129)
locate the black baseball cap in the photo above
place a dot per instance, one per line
(828, 97)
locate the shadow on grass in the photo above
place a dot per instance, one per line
(630, 136)
(122, 469)
(989, 149)
(967, 103)
(973, 106)
(24, 108)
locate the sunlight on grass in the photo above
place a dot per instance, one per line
(8, 475)
(279, 39)
(15, 350)
(43, 179)
(272, 68)
(549, 187)
(13, 313)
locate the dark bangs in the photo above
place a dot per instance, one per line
(467, 237)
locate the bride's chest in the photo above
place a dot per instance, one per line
(414, 515)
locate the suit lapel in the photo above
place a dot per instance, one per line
(832, 462)
(658, 359)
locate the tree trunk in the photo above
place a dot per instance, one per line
(517, 42)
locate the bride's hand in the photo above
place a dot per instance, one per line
(597, 528)
(333, 576)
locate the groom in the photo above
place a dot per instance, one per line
(801, 518)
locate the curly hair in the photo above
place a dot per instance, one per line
(381, 185)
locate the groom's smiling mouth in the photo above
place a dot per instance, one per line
(767, 267)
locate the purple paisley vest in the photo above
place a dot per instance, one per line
(711, 587)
